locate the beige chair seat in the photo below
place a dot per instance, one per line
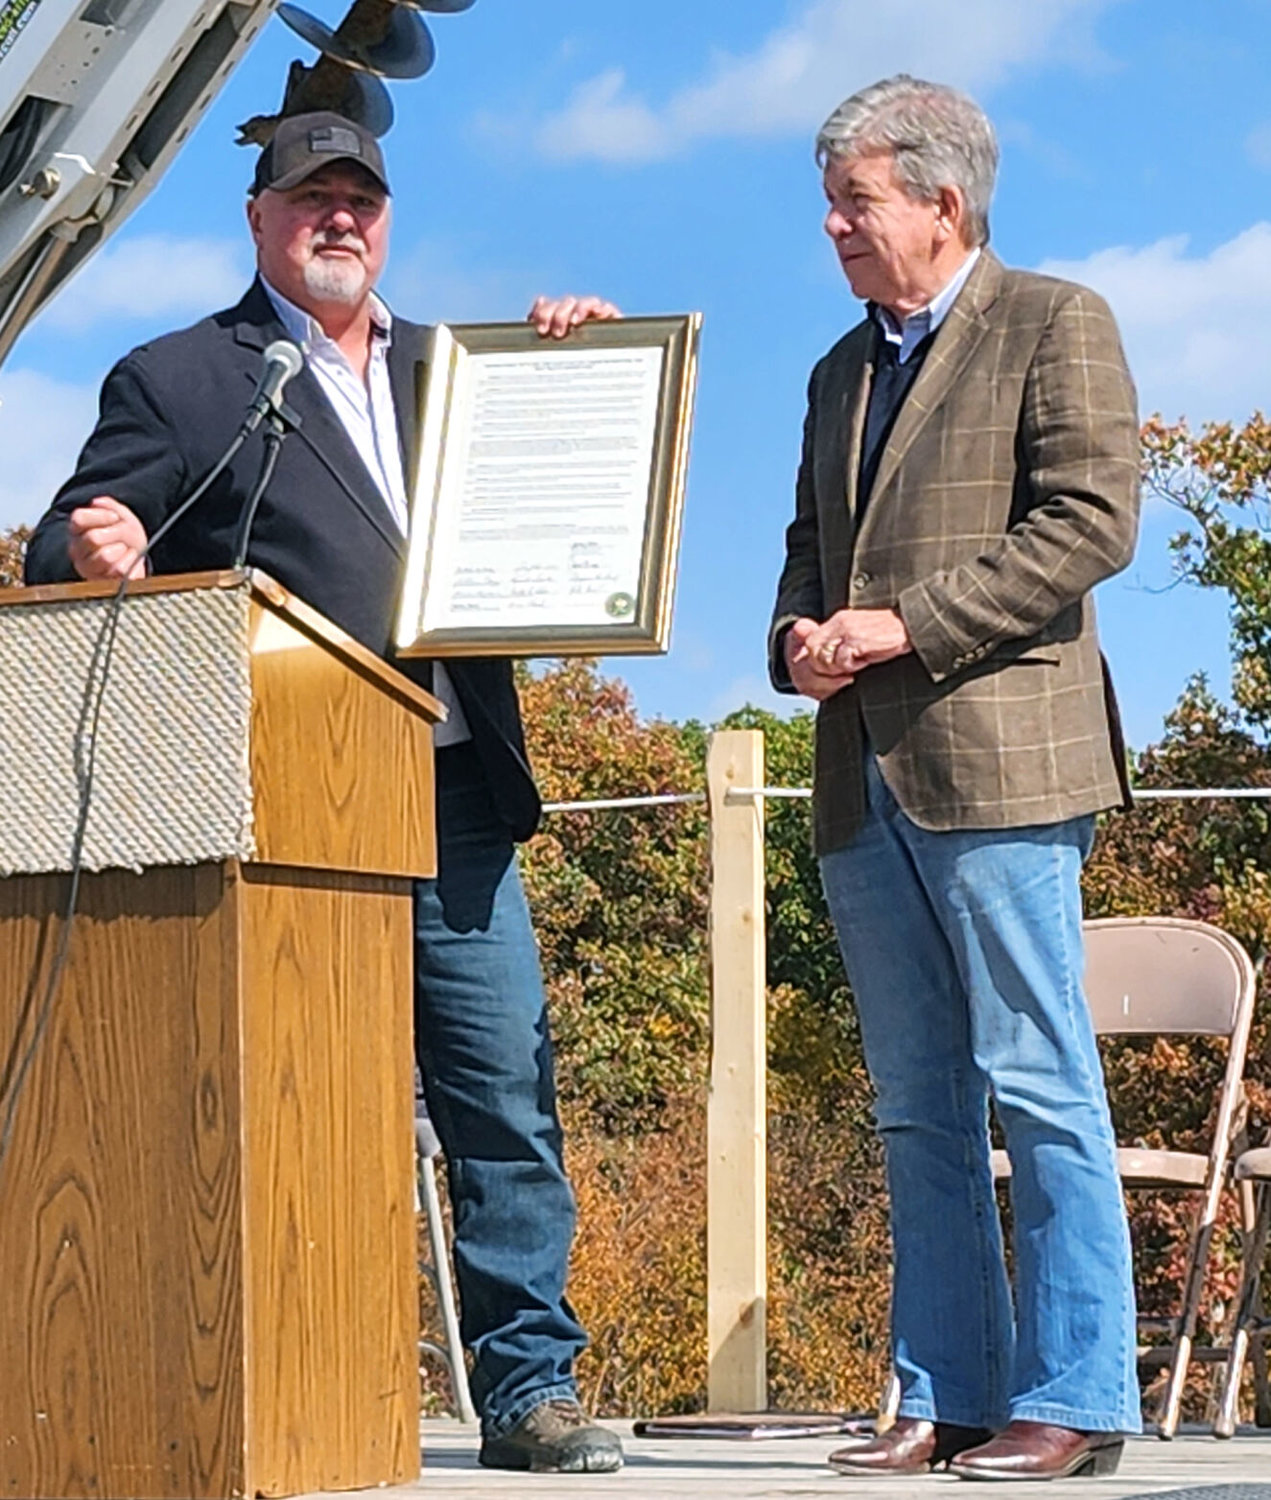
(1140, 1167)
(1254, 1166)
(1143, 1168)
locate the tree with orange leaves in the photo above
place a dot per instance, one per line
(12, 550)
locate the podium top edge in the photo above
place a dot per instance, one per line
(105, 588)
(267, 593)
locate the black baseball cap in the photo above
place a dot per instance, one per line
(304, 144)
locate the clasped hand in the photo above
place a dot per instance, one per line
(824, 658)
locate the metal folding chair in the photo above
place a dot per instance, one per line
(427, 1149)
(1250, 1327)
(1160, 976)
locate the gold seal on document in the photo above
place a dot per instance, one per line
(619, 606)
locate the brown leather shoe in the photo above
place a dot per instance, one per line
(911, 1446)
(1036, 1450)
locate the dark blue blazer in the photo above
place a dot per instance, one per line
(168, 411)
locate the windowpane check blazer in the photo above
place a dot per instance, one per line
(1008, 488)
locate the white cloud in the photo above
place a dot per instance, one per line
(159, 278)
(800, 71)
(1197, 328)
(155, 279)
(43, 424)
(602, 120)
(440, 280)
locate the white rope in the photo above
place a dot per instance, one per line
(668, 799)
(740, 793)
(1143, 794)
(800, 793)
(1199, 794)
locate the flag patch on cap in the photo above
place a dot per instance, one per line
(335, 140)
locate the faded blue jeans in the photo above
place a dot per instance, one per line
(964, 953)
(482, 1040)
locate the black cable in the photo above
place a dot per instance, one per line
(274, 434)
(85, 767)
(86, 760)
(222, 463)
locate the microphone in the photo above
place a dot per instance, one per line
(283, 360)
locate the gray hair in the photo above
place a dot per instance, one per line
(937, 137)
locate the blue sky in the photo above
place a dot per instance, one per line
(660, 153)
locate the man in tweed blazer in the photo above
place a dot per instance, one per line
(969, 473)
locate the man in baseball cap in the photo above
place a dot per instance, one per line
(331, 528)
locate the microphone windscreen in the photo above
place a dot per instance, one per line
(283, 352)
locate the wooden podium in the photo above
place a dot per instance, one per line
(206, 1212)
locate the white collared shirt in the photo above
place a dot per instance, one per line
(367, 413)
(908, 333)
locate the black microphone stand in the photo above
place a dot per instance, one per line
(277, 425)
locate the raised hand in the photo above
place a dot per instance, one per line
(554, 317)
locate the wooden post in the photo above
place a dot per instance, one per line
(736, 1123)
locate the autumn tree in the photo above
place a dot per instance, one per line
(1204, 859)
(620, 899)
(12, 550)
(1211, 860)
(1218, 478)
(620, 904)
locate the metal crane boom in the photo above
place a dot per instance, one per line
(96, 97)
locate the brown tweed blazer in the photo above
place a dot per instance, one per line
(1008, 488)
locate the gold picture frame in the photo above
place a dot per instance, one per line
(548, 493)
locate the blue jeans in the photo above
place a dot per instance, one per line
(964, 953)
(482, 1040)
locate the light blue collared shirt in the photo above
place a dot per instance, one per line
(908, 333)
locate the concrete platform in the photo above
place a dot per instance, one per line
(784, 1467)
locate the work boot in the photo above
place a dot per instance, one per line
(555, 1438)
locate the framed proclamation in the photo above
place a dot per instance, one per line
(547, 498)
